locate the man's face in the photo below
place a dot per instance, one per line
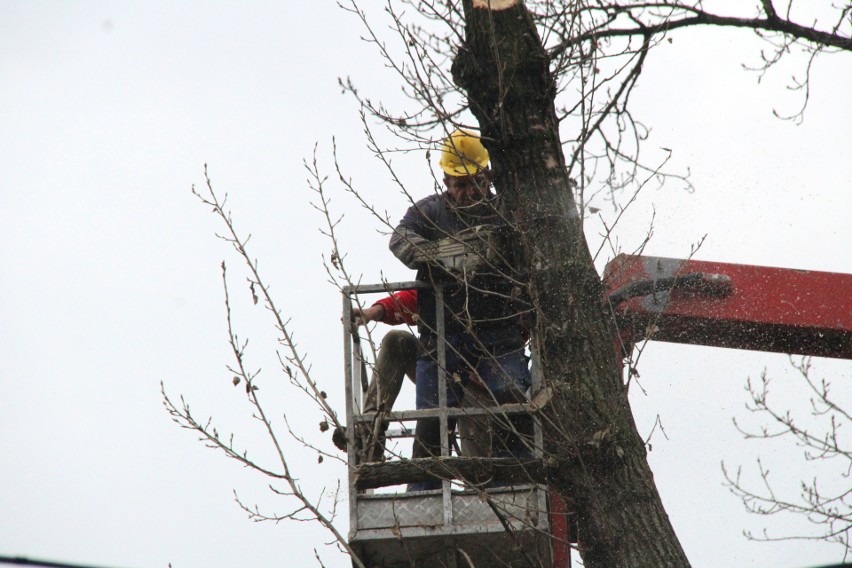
(467, 190)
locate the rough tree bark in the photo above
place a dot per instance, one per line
(595, 453)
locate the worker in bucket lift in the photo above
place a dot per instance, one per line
(396, 359)
(481, 316)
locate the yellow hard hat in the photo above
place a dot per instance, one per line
(462, 154)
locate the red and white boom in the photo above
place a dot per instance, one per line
(731, 305)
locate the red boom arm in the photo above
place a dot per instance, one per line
(732, 305)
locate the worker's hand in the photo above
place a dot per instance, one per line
(365, 316)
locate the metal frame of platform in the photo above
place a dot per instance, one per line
(443, 528)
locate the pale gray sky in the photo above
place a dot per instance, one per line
(110, 281)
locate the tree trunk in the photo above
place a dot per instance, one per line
(591, 441)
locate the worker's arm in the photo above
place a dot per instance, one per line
(376, 312)
(392, 310)
(399, 308)
(404, 244)
(414, 231)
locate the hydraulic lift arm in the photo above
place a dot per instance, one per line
(731, 305)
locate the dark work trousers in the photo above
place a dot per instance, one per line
(497, 357)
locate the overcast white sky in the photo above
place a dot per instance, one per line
(110, 280)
